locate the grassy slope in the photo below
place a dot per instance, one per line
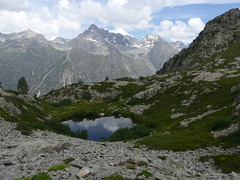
(198, 134)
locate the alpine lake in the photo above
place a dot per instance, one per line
(100, 128)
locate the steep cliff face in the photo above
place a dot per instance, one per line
(216, 37)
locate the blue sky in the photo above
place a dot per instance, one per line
(171, 19)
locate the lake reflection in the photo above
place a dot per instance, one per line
(100, 127)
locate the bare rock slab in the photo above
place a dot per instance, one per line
(83, 172)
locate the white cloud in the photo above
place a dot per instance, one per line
(14, 5)
(121, 31)
(178, 30)
(67, 17)
(122, 14)
(159, 4)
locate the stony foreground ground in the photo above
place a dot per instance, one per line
(25, 156)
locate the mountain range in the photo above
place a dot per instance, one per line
(90, 57)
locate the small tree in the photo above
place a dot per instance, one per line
(22, 86)
(0, 84)
(106, 79)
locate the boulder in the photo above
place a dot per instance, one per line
(83, 172)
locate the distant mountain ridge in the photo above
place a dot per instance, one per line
(90, 57)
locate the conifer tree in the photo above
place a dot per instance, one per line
(22, 86)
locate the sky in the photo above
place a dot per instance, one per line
(173, 20)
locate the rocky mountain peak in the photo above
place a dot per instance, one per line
(151, 37)
(28, 34)
(93, 27)
(179, 45)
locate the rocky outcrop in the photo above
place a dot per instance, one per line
(230, 130)
(207, 76)
(9, 107)
(187, 121)
(138, 109)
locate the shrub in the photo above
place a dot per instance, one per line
(220, 123)
(150, 123)
(65, 102)
(127, 134)
(86, 95)
(24, 128)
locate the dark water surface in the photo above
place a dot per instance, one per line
(100, 127)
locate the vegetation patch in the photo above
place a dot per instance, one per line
(231, 140)
(40, 176)
(68, 160)
(227, 163)
(104, 87)
(145, 173)
(220, 123)
(129, 133)
(130, 89)
(86, 95)
(232, 51)
(58, 167)
(131, 167)
(142, 163)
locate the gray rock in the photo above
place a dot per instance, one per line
(173, 116)
(83, 172)
(78, 163)
(230, 130)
